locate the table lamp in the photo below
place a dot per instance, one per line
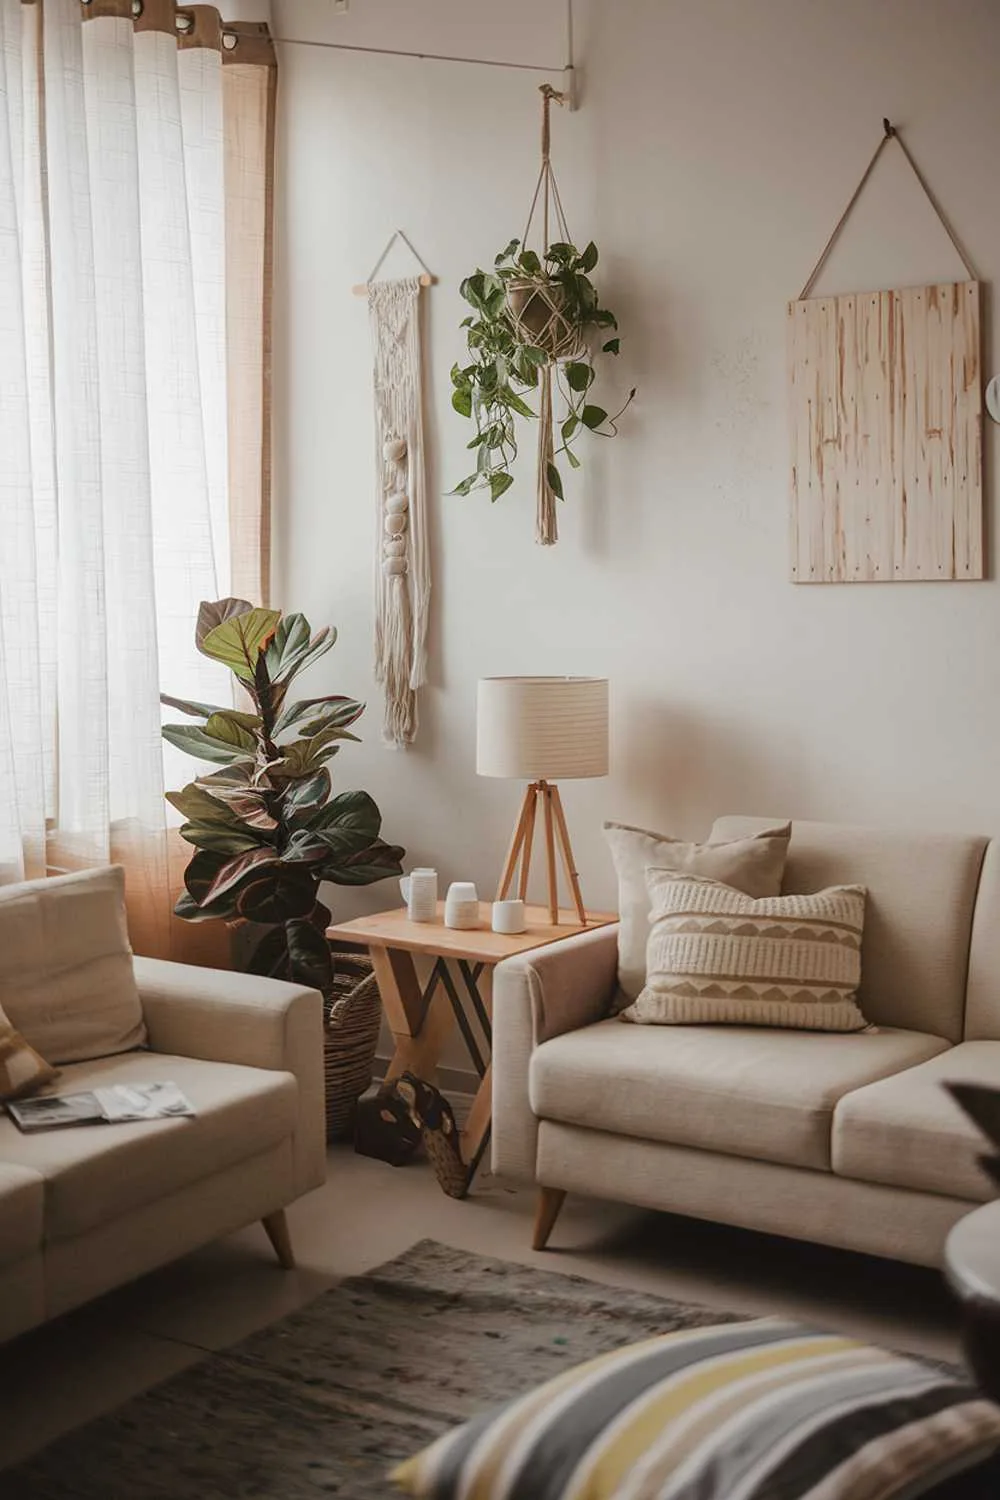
(542, 729)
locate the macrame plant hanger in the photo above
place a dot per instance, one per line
(402, 556)
(541, 320)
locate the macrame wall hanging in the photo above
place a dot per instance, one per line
(402, 556)
(886, 425)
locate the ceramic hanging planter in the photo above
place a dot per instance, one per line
(536, 325)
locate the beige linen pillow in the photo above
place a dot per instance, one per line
(716, 955)
(754, 865)
(66, 978)
(21, 1069)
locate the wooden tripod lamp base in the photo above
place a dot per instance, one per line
(542, 803)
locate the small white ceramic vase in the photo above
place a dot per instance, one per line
(420, 892)
(508, 916)
(461, 905)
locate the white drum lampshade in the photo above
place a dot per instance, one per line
(540, 730)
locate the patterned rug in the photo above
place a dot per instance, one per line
(325, 1401)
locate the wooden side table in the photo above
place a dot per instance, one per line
(422, 1018)
(972, 1267)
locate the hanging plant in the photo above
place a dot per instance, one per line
(534, 317)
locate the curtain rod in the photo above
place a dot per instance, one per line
(482, 62)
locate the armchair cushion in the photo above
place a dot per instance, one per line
(66, 979)
(95, 1174)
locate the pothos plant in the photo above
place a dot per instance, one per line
(529, 313)
(265, 826)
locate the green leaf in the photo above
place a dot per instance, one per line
(574, 462)
(377, 862)
(506, 253)
(228, 730)
(280, 894)
(201, 871)
(214, 612)
(570, 425)
(222, 840)
(309, 959)
(511, 399)
(500, 483)
(613, 346)
(334, 709)
(578, 375)
(312, 791)
(588, 260)
(555, 480)
(270, 957)
(199, 806)
(196, 710)
(593, 416)
(306, 848)
(461, 400)
(192, 912)
(529, 263)
(465, 485)
(354, 809)
(534, 355)
(562, 252)
(194, 741)
(238, 640)
(235, 871)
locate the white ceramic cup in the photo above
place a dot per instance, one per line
(461, 905)
(419, 890)
(508, 916)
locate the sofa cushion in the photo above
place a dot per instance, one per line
(982, 1011)
(717, 956)
(22, 1206)
(753, 865)
(66, 966)
(907, 1131)
(921, 893)
(94, 1173)
(736, 1089)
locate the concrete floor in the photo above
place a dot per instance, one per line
(92, 1360)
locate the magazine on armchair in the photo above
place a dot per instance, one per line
(110, 1106)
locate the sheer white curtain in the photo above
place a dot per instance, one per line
(115, 506)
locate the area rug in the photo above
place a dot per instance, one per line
(325, 1401)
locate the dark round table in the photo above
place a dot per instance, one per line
(972, 1267)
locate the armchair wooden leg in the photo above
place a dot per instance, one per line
(550, 1202)
(276, 1227)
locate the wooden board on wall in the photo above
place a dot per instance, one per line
(886, 426)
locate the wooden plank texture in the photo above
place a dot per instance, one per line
(886, 436)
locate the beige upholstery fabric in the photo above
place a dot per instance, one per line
(22, 1295)
(95, 1175)
(22, 1070)
(715, 955)
(921, 891)
(982, 1013)
(537, 996)
(754, 1092)
(220, 1016)
(907, 1131)
(22, 1206)
(66, 966)
(753, 865)
(87, 1266)
(784, 1200)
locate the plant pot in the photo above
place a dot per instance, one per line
(352, 1020)
(537, 308)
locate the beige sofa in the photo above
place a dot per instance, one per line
(85, 1209)
(850, 1140)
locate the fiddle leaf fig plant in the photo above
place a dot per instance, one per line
(265, 825)
(531, 312)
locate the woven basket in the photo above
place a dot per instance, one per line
(350, 1037)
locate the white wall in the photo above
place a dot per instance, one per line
(715, 146)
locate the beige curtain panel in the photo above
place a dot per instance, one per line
(136, 178)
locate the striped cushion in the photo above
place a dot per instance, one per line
(764, 1410)
(22, 1069)
(717, 955)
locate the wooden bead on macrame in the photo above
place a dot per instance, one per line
(395, 548)
(397, 503)
(394, 565)
(395, 525)
(394, 451)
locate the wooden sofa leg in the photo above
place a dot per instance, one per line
(550, 1202)
(276, 1226)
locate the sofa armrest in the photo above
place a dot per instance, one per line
(536, 996)
(221, 1016)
